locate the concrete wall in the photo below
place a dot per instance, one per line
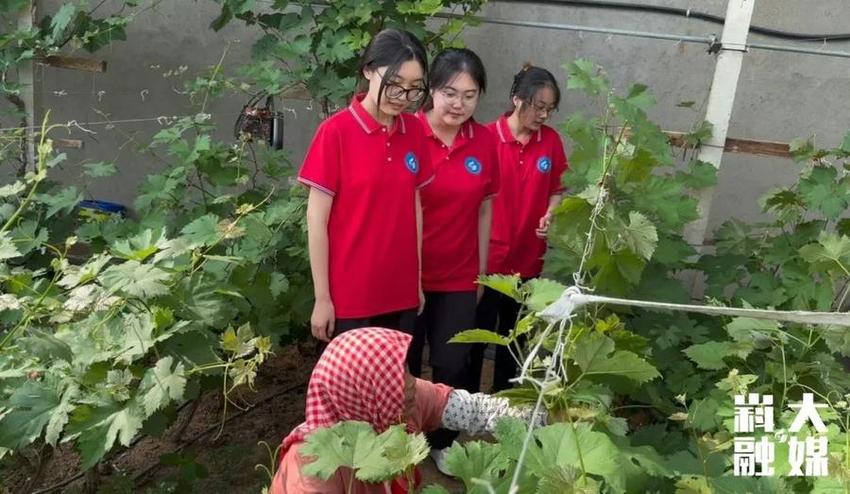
(781, 95)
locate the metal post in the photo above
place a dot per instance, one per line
(721, 100)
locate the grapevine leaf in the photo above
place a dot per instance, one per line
(99, 428)
(63, 202)
(59, 417)
(831, 252)
(593, 354)
(100, 169)
(202, 231)
(709, 355)
(700, 175)
(139, 247)
(32, 405)
(12, 189)
(573, 446)
(399, 451)
(476, 460)
(135, 279)
(7, 248)
(504, 284)
(543, 292)
(435, 489)
(163, 384)
(62, 20)
(480, 336)
(344, 445)
(585, 75)
(640, 235)
(823, 191)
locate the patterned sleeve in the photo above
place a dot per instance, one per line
(479, 413)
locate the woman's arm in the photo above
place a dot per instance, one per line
(318, 212)
(485, 221)
(419, 248)
(546, 219)
(479, 413)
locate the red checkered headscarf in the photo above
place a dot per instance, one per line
(360, 376)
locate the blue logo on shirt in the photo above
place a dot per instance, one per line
(410, 162)
(544, 164)
(472, 165)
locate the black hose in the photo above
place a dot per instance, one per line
(679, 12)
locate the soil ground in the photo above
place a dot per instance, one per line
(231, 456)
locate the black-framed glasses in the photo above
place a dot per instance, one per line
(395, 91)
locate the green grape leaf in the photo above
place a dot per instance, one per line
(135, 279)
(822, 191)
(8, 250)
(595, 355)
(585, 75)
(831, 252)
(504, 284)
(399, 450)
(480, 336)
(31, 407)
(162, 384)
(639, 236)
(139, 247)
(700, 175)
(710, 355)
(203, 231)
(542, 293)
(100, 169)
(64, 201)
(99, 428)
(563, 445)
(476, 460)
(338, 446)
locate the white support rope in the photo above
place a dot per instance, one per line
(573, 298)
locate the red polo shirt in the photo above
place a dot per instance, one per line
(465, 174)
(372, 172)
(530, 174)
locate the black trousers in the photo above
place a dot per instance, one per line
(445, 314)
(404, 320)
(496, 312)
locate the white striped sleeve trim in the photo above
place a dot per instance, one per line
(310, 183)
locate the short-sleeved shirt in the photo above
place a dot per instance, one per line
(530, 174)
(373, 173)
(465, 174)
(430, 401)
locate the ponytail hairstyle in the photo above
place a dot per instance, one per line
(451, 62)
(531, 79)
(390, 48)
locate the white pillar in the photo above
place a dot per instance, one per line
(721, 100)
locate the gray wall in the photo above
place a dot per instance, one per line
(780, 96)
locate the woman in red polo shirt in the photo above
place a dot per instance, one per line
(457, 213)
(531, 162)
(364, 169)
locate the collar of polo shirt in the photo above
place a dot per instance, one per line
(504, 130)
(367, 122)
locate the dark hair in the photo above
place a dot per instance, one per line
(531, 79)
(390, 48)
(452, 61)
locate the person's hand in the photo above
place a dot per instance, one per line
(322, 320)
(543, 225)
(421, 301)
